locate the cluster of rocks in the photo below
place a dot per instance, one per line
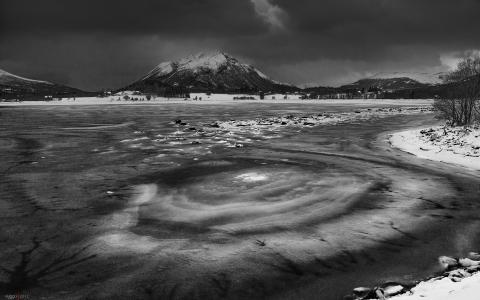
(319, 119)
(383, 291)
(458, 268)
(430, 133)
(455, 269)
(194, 138)
(238, 133)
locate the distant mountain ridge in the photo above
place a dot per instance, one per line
(215, 72)
(16, 87)
(379, 86)
(393, 88)
(388, 84)
(448, 89)
(422, 77)
(219, 72)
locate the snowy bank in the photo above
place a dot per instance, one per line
(457, 145)
(445, 289)
(459, 281)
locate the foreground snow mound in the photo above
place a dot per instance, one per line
(455, 145)
(445, 289)
(459, 281)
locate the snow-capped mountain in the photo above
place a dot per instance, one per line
(207, 72)
(14, 86)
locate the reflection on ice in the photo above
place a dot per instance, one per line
(252, 177)
(130, 242)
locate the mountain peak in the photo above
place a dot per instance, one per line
(206, 60)
(209, 55)
(214, 71)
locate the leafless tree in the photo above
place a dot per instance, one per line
(460, 104)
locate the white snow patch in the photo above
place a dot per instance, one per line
(261, 74)
(445, 289)
(211, 61)
(160, 70)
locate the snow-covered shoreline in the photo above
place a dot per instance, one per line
(214, 100)
(444, 288)
(460, 280)
(457, 145)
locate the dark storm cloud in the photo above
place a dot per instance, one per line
(186, 17)
(94, 44)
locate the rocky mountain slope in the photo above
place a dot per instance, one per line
(215, 72)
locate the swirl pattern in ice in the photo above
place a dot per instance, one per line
(215, 216)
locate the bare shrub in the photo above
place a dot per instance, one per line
(460, 105)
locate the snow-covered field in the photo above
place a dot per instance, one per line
(456, 145)
(223, 97)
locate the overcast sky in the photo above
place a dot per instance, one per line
(94, 44)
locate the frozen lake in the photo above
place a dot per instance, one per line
(123, 202)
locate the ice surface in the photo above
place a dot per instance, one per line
(299, 208)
